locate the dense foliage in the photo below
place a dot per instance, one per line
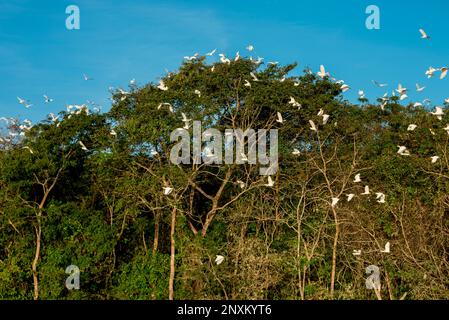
(104, 210)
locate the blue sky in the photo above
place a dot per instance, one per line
(121, 40)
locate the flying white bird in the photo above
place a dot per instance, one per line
(250, 47)
(313, 126)
(357, 178)
(335, 201)
(86, 77)
(403, 151)
(211, 53)
(344, 87)
(279, 118)
(350, 197)
(424, 34)
(430, 72)
(443, 72)
(47, 99)
(380, 85)
(194, 57)
(419, 89)
(438, 112)
(411, 127)
(82, 146)
(367, 192)
(219, 259)
(387, 248)
(434, 159)
(162, 86)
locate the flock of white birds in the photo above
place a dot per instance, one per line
(401, 92)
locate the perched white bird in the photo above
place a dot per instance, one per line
(113, 133)
(211, 53)
(424, 34)
(184, 117)
(411, 127)
(434, 159)
(322, 73)
(296, 152)
(223, 58)
(357, 178)
(334, 201)
(350, 197)
(270, 182)
(446, 100)
(313, 126)
(387, 248)
(167, 190)
(419, 89)
(253, 76)
(219, 259)
(325, 118)
(247, 83)
(165, 104)
(237, 56)
(47, 99)
(403, 151)
(241, 184)
(279, 118)
(380, 197)
(417, 104)
(447, 129)
(356, 252)
(29, 149)
(361, 94)
(294, 103)
(162, 86)
(367, 192)
(82, 146)
(198, 92)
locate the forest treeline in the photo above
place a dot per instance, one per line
(100, 204)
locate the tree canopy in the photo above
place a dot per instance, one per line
(87, 190)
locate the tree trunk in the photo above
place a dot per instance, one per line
(36, 259)
(172, 256)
